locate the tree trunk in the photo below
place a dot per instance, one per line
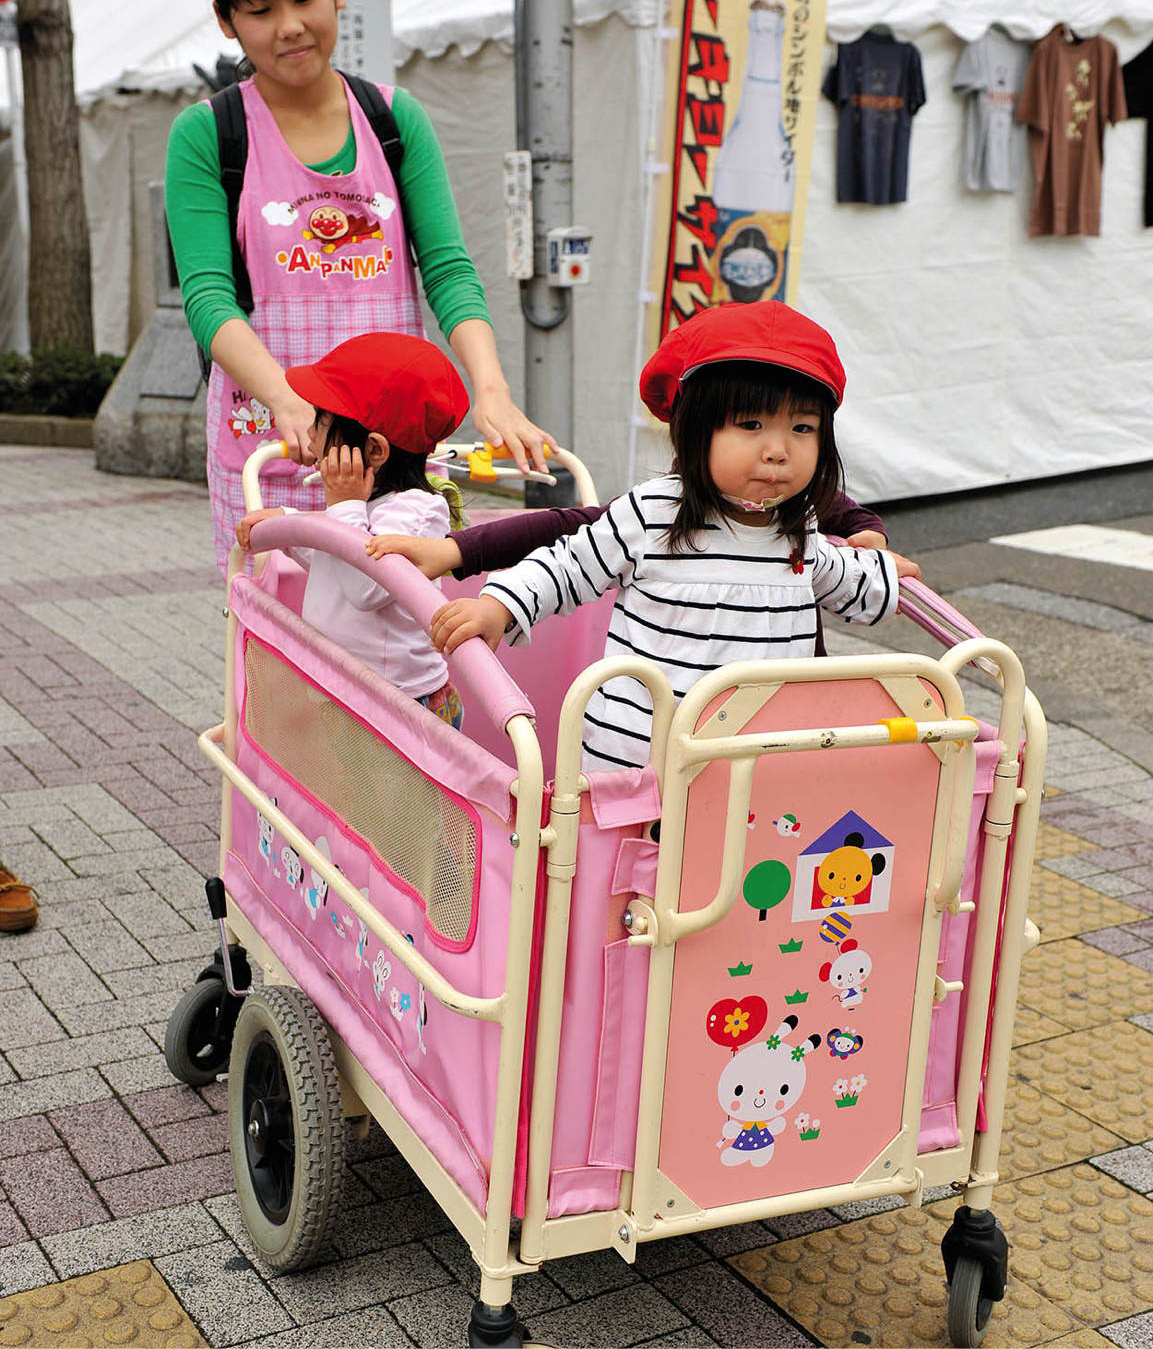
(59, 263)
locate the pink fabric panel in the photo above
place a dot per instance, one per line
(939, 1110)
(424, 739)
(636, 868)
(453, 1058)
(624, 796)
(614, 1130)
(473, 669)
(439, 1131)
(595, 1031)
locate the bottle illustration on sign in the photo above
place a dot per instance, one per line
(753, 181)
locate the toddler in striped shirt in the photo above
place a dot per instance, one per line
(719, 560)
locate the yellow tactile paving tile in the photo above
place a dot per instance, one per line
(1081, 1255)
(128, 1305)
(1063, 908)
(1082, 1240)
(1083, 986)
(1105, 1073)
(1030, 1025)
(881, 1281)
(1054, 842)
(1042, 1133)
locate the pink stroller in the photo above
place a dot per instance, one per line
(797, 992)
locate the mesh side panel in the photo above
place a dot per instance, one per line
(421, 834)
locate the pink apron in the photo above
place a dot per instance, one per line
(328, 260)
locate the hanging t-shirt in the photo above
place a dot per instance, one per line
(877, 86)
(991, 71)
(1138, 76)
(1072, 91)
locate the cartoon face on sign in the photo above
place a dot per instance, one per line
(847, 974)
(847, 872)
(756, 1087)
(849, 867)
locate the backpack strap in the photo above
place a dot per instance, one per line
(385, 130)
(232, 140)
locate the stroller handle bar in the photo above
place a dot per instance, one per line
(483, 679)
(474, 460)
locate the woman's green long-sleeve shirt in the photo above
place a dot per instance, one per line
(198, 220)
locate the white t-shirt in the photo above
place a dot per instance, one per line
(355, 612)
(991, 71)
(738, 598)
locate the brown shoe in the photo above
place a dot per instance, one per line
(18, 907)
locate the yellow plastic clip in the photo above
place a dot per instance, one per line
(480, 467)
(902, 730)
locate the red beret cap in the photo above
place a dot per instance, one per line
(401, 386)
(766, 331)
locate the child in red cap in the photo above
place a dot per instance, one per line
(719, 560)
(383, 401)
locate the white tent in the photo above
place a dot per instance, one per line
(975, 355)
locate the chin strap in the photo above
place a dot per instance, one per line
(770, 505)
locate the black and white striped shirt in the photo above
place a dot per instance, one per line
(738, 598)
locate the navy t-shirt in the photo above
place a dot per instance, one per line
(1138, 76)
(877, 86)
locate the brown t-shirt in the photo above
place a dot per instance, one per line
(1071, 91)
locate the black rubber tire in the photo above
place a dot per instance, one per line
(289, 1165)
(969, 1312)
(196, 1045)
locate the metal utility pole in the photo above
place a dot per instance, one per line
(544, 46)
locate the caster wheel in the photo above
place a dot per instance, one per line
(285, 1129)
(969, 1312)
(199, 1033)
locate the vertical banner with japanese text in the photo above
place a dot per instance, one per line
(742, 90)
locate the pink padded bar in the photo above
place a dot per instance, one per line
(482, 679)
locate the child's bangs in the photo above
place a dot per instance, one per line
(738, 389)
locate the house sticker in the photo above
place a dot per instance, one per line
(849, 867)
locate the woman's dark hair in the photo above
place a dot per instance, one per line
(401, 471)
(721, 393)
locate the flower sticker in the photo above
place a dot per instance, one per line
(847, 1094)
(773, 1042)
(736, 1022)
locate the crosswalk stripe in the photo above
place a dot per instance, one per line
(1086, 543)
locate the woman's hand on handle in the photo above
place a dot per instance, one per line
(501, 422)
(294, 420)
(434, 557)
(457, 622)
(247, 361)
(494, 414)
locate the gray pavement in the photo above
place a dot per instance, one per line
(111, 657)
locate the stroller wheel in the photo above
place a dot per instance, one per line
(285, 1129)
(199, 1033)
(969, 1312)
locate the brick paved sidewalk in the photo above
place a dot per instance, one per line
(115, 1189)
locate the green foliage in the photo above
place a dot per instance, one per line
(56, 383)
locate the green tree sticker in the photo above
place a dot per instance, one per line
(766, 885)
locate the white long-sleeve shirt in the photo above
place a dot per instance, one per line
(738, 598)
(355, 612)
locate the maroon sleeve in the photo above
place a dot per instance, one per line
(846, 518)
(503, 543)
